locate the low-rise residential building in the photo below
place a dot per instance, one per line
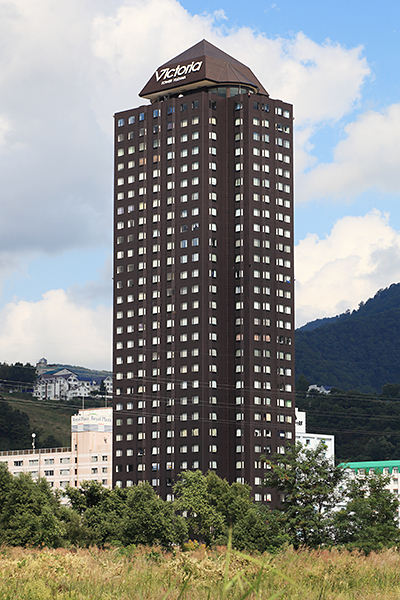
(384, 467)
(89, 458)
(312, 440)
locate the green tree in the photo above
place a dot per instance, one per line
(102, 521)
(302, 384)
(391, 389)
(147, 519)
(260, 530)
(30, 514)
(308, 484)
(49, 442)
(369, 521)
(6, 481)
(96, 514)
(89, 494)
(203, 518)
(232, 501)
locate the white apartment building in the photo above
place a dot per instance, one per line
(89, 458)
(64, 384)
(383, 467)
(311, 440)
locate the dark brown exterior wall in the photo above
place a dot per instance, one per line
(228, 418)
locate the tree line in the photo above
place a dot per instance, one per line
(206, 508)
(17, 373)
(366, 426)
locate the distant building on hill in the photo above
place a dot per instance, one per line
(89, 458)
(321, 389)
(42, 366)
(311, 440)
(64, 384)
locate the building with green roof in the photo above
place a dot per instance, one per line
(384, 467)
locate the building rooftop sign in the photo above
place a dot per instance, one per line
(202, 65)
(99, 419)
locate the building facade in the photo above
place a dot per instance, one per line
(312, 440)
(89, 458)
(389, 468)
(203, 275)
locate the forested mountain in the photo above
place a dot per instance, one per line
(320, 322)
(357, 350)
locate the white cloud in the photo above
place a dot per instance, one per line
(367, 159)
(5, 128)
(322, 80)
(360, 256)
(55, 180)
(67, 67)
(57, 328)
(220, 14)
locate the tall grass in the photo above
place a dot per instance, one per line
(220, 574)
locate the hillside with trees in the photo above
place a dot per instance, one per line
(357, 350)
(20, 417)
(366, 426)
(17, 374)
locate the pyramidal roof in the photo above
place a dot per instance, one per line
(202, 65)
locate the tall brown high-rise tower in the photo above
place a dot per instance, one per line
(203, 275)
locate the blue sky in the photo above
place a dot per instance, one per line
(66, 68)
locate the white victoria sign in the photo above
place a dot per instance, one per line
(179, 73)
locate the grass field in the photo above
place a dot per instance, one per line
(146, 573)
